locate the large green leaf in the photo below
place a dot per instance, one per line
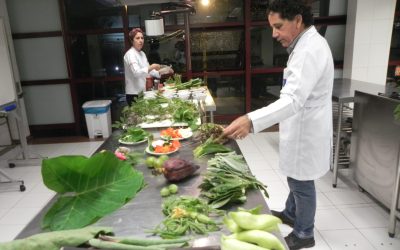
(89, 188)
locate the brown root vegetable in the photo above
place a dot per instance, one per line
(176, 169)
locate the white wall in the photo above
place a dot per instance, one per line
(368, 38)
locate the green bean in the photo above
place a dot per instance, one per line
(146, 242)
(118, 246)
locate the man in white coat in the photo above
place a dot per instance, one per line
(304, 114)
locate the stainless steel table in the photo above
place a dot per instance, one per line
(343, 93)
(144, 211)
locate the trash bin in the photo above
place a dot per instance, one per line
(98, 118)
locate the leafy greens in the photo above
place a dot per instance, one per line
(88, 188)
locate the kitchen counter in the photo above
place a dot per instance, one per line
(343, 93)
(144, 211)
(344, 89)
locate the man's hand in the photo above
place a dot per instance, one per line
(239, 128)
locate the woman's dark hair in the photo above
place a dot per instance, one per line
(288, 9)
(133, 33)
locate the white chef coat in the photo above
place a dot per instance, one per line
(136, 67)
(304, 110)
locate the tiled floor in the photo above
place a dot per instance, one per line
(345, 219)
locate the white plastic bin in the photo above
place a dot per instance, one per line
(98, 118)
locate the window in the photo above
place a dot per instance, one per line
(97, 55)
(92, 14)
(265, 89)
(218, 50)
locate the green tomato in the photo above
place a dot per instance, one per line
(164, 192)
(173, 189)
(159, 163)
(163, 158)
(151, 161)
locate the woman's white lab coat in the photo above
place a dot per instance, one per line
(304, 110)
(136, 68)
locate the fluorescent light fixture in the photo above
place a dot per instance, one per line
(205, 2)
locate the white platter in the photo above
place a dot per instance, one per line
(185, 132)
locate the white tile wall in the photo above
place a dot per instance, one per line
(368, 38)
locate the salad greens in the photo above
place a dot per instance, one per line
(134, 134)
(158, 109)
(88, 188)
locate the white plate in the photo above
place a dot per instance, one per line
(133, 142)
(185, 132)
(154, 153)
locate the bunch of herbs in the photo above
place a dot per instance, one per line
(227, 179)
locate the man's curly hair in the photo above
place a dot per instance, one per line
(288, 9)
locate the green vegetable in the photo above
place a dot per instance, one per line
(164, 192)
(234, 244)
(119, 246)
(186, 214)
(250, 221)
(146, 242)
(397, 112)
(56, 240)
(159, 162)
(134, 134)
(173, 189)
(261, 238)
(151, 161)
(88, 188)
(227, 179)
(159, 109)
(210, 147)
(231, 225)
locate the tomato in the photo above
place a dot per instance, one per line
(170, 132)
(159, 163)
(150, 161)
(164, 157)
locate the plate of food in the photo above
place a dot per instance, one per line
(133, 136)
(127, 141)
(176, 134)
(161, 147)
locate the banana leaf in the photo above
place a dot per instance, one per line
(88, 188)
(56, 240)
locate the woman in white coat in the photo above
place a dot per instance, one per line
(304, 114)
(137, 67)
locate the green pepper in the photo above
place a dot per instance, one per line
(261, 238)
(231, 225)
(234, 244)
(250, 221)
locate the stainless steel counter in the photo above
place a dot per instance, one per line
(375, 149)
(144, 211)
(343, 93)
